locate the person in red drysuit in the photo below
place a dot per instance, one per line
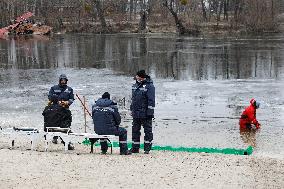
(248, 117)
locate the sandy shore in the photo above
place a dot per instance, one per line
(21, 168)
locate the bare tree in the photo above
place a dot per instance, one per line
(203, 10)
(172, 6)
(259, 15)
(4, 13)
(144, 13)
(100, 11)
(113, 15)
(131, 8)
(238, 7)
(226, 9)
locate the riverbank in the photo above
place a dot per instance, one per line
(79, 169)
(204, 29)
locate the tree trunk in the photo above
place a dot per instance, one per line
(272, 9)
(34, 6)
(135, 9)
(143, 15)
(237, 10)
(101, 16)
(79, 17)
(11, 10)
(226, 6)
(208, 16)
(219, 10)
(3, 16)
(142, 23)
(180, 28)
(131, 8)
(204, 10)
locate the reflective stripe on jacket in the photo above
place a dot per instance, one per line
(61, 93)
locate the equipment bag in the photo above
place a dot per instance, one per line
(56, 116)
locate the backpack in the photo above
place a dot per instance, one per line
(56, 116)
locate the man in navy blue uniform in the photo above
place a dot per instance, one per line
(61, 93)
(106, 120)
(142, 111)
(57, 113)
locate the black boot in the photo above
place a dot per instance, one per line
(124, 150)
(104, 147)
(147, 148)
(134, 150)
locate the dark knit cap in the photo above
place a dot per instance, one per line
(141, 73)
(106, 95)
(63, 76)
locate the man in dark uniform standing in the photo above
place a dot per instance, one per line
(142, 111)
(57, 113)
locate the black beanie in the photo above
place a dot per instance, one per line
(106, 95)
(63, 76)
(141, 73)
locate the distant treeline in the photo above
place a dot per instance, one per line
(184, 16)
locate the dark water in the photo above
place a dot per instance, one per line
(202, 84)
(164, 56)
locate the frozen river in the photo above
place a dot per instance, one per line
(202, 84)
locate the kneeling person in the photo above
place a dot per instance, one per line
(106, 120)
(248, 117)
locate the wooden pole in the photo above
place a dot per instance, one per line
(83, 105)
(85, 115)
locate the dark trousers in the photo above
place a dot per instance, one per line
(122, 133)
(136, 133)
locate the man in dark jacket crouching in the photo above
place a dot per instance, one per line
(106, 120)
